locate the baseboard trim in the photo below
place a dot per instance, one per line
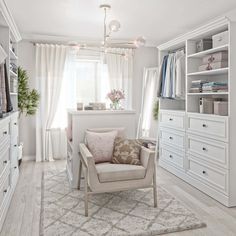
(28, 158)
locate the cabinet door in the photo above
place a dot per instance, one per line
(212, 127)
(4, 131)
(172, 119)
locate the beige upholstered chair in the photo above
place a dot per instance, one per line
(108, 177)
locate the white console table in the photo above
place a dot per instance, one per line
(80, 121)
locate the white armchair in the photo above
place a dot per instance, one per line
(109, 177)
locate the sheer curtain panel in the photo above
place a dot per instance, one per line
(50, 64)
(120, 71)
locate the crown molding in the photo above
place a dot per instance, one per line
(10, 21)
(180, 41)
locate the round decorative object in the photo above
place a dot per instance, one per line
(140, 42)
(114, 26)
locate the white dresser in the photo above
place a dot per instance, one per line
(200, 148)
(172, 138)
(9, 170)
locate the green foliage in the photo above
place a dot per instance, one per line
(27, 99)
(156, 110)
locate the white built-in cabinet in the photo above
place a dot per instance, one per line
(9, 169)
(200, 148)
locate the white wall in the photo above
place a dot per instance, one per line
(143, 57)
(26, 54)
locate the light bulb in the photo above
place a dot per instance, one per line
(140, 42)
(114, 26)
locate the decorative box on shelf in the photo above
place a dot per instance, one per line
(220, 39)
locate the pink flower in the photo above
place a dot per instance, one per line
(116, 95)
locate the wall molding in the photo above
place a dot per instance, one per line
(10, 21)
(28, 158)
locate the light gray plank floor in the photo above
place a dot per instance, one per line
(24, 212)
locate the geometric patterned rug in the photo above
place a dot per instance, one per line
(129, 213)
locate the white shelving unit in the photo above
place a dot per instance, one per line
(207, 52)
(220, 71)
(199, 148)
(9, 171)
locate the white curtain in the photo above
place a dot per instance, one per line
(50, 63)
(120, 70)
(149, 98)
(66, 100)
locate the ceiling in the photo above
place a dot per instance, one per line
(157, 20)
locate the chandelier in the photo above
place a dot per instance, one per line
(108, 29)
(114, 26)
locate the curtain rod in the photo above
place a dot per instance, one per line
(34, 43)
(89, 46)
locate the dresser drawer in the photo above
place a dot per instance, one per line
(14, 125)
(175, 139)
(208, 150)
(172, 156)
(172, 119)
(214, 177)
(5, 189)
(4, 158)
(209, 126)
(4, 130)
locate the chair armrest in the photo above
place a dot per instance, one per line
(87, 157)
(145, 156)
(90, 171)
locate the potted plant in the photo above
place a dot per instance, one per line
(156, 110)
(28, 99)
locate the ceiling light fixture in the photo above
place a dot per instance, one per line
(108, 29)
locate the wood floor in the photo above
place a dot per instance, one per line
(24, 212)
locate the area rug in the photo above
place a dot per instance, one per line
(128, 213)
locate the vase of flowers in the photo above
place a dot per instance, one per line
(116, 96)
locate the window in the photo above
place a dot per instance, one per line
(92, 84)
(86, 79)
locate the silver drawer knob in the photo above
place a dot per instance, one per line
(204, 149)
(171, 138)
(171, 119)
(5, 132)
(5, 162)
(204, 125)
(204, 172)
(171, 156)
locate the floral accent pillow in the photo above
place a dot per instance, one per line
(101, 145)
(126, 151)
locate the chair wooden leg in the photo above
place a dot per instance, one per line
(80, 173)
(86, 195)
(155, 188)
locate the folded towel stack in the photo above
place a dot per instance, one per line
(215, 87)
(196, 86)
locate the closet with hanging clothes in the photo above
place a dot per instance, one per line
(196, 145)
(172, 75)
